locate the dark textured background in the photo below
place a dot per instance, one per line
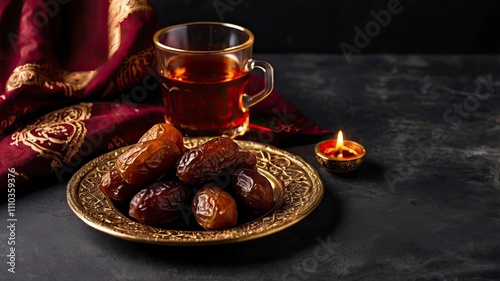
(438, 218)
(423, 26)
(439, 221)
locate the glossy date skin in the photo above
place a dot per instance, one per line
(147, 161)
(117, 189)
(214, 208)
(164, 131)
(205, 161)
(246, 159)
(159, 203)
(155, 179)
(253, 190)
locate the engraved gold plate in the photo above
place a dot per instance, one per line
(296, 183)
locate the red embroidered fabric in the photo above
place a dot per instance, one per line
(77, 79)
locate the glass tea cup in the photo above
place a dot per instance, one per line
(205, 70)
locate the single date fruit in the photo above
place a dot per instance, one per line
(205, 161)
(159, 203)
(164, 131)
(246, 159)
(253, 190)
(116, 188)
(147, 161)
(214, 208)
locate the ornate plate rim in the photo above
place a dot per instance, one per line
(204, 237)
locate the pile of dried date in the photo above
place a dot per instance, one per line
(158, 175)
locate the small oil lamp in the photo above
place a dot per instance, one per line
(339, 155)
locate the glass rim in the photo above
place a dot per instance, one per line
(238, 47)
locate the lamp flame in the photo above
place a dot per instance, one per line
(340, 140)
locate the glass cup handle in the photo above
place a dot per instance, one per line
(268, 82)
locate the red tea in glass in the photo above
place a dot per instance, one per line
(203, 95)
(205, 68)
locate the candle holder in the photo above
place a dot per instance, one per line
(345, 164)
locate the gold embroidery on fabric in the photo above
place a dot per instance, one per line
(119, 10)
(132, 70)
(77, 79)
(48, 76)
(57, 135)
(31, 74)
(71, 81)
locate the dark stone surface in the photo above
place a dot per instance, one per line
(424, 206)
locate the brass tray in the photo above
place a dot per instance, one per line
(296, 184)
